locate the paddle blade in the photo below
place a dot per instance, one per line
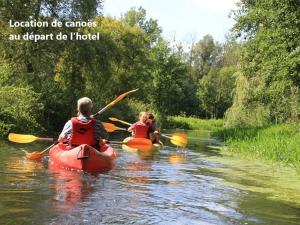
(34, 155)
(181, 135)
(117, 120)
(179, 141)
(109, 127)
(119, 98)
(21, 138)
(139, 143)
(113, 119)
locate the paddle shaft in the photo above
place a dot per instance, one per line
(46, 139)
(165, 136)
(121, 121)
(47, 149)
(102, 110)
(117, 142)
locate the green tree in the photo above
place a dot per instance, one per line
(204, 56)
(137, 17)
(270, 56)
(215, 91)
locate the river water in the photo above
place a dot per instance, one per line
(197, 185)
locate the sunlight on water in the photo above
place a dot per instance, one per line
(197, 185)
(276, 181)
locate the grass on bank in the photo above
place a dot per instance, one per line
(192, 123)
(279, 142)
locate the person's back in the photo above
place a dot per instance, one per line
(83, 129)
(140, 129)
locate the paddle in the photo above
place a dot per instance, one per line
(178, 139)
(37, 155)
(117, 120)
(27, 138)
(109, 127)
(139, 143)
(119, 98)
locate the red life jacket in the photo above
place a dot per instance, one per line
(140, 130)
(83, 133)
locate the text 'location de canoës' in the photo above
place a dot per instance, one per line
(54, 23)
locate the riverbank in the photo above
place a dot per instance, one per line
(193, 123)
(279, 142)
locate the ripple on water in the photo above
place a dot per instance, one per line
(198, 185)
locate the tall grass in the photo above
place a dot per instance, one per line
(276, 142)
(193, 123)
(279, 142)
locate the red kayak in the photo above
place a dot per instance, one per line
(82, 158)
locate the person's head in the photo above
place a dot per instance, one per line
(85, 106)
(143, 117)
(150, 115)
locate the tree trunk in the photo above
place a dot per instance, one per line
(294, 104)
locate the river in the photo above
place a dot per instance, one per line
(197, 185)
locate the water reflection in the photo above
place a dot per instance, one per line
(196, 185)
(70, 187)
(177, 158)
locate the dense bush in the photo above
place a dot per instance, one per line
(20, 110)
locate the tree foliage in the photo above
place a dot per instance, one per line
(270, 56)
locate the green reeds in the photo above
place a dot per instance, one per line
(276, 142)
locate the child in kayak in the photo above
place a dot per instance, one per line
(83, 129)
(153, 129)
(140, 129)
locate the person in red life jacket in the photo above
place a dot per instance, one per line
(83, 129)
(153, 129)
(140, 129)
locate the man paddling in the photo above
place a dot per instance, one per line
(83, 129)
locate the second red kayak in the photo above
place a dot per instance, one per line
(82, 158)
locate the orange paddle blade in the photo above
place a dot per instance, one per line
(21, 138)
(38, 155)
(109, 127)
(34, 155)
(119, 98)
(117, 120)
(139, 143)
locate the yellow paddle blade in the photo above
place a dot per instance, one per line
(117, 120)
(21, 138)
(139, 143)
(179, 141)
(181, 135)
(109, 127)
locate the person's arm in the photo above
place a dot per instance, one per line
(130, 129)
(66, 132)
